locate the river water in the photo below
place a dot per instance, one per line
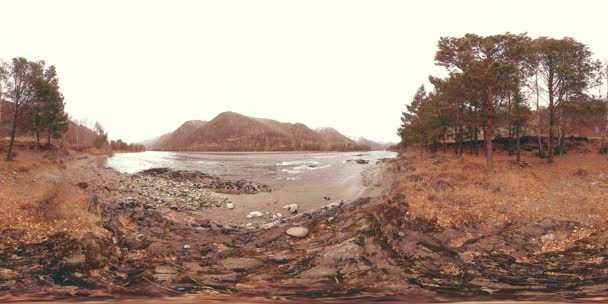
(300, 178)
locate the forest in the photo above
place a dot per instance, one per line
(506, 89)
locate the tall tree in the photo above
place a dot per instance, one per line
(487, 65)
(603, 148)
(409, 116)
(566, 69)
(23, 76)
(3, 78)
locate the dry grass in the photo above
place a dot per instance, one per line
(35, 200)
(456, 191)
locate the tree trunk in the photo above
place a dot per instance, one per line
(603, 149)
(456, 140)
(485, 135)
(48, 138)
(476, 142)
(37, 139)
(490, 132)
(562, 129)
(517, 143)
(461, 142)
(9, 154)
(551, 118)
(538, 129)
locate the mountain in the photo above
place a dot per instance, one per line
(332, 135)
(175, 140)
(231, 131)
(374, 145)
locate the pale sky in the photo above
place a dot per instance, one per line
(141, 68)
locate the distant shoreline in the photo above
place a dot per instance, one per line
(256, 152)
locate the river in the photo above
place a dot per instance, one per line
(310, 180)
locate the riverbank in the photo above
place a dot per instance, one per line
(411, 239)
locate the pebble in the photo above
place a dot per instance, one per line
(298, 232)
(229, 205)
(292, 207)
(547, 237)
(254, 214)
(187, 246)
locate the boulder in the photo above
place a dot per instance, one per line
(298, 232)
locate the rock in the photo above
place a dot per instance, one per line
(241, 264)
(330, 219)
(293, 208)
(187, 246)
(165, 269)
(327, 198)
(76, 259)
(7, 274)
(547, 237)
(192, 267)
(83, 185)
(158, 249)
(229, 205)
(298, 232)
(164, 273)
(254, 214)
(8, 284)
(281, 258)
(318, 272)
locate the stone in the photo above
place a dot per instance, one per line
(298, 232)
(318, 272)
(187, 246)
(547, 237)
(158, 249)
(241, 264)
(7, 274)
(75, 259)
(8, 284)
(293, 208)
(229, 205)
(165, 269)
(254, 214)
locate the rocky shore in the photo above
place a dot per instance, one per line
(181, 190)
(371, 246)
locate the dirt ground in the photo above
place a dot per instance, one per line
(439, 230)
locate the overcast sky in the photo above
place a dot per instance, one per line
(141, 68)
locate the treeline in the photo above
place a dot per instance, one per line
(507, 86)
(119, 145)
(31, 103)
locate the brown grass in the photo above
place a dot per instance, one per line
(35, 200)
(456, 191)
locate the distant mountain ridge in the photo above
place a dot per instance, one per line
(230, 131)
